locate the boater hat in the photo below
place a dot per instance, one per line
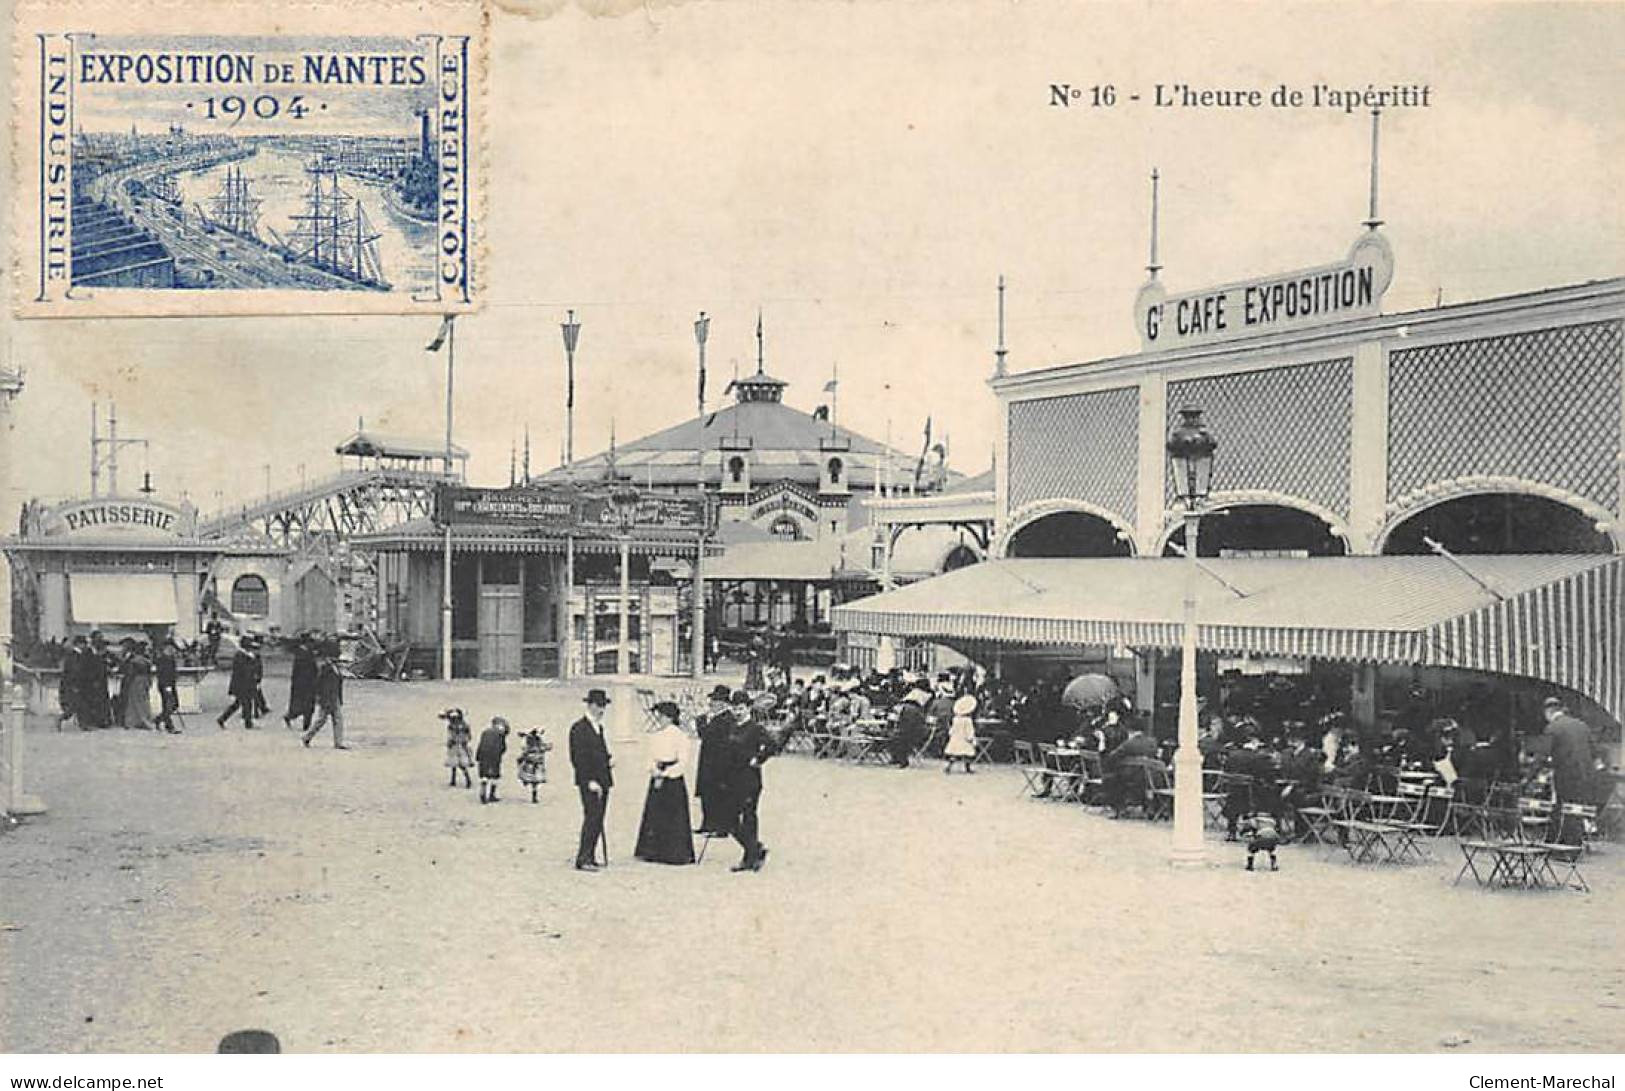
(597, 697)
(965, 705)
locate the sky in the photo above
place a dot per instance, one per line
(862, 174)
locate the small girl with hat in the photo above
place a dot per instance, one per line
(961, 735)
(533, 760)
(458, 755)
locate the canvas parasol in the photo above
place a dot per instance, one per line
(1088, 691)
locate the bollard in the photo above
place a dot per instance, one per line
(18, 802)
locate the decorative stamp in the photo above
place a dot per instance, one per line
(248, 160)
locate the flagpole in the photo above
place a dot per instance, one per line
(445, 581)
(835, 398)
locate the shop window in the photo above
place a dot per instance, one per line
(250, 596)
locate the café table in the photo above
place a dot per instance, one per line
(1379, 842)
(1511, 864)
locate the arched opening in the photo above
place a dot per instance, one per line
(960, 556)
(736, 469)
(1259, 530)
(250, 596)
(835, 469)
(1499, 523)
(1070, 534)
(786, 528)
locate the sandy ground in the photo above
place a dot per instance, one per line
(183, 887)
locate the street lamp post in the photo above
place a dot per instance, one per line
(625, 499)
(14, 799)
(702, 328)
(1190, 459)
(572, 334)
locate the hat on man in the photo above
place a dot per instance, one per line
(721, 693)
(451, 714)
(965, 705)
(596, 696)
(1553, 703)
(918, 696)
(739, 697)
(667, 710)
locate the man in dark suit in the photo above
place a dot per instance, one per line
(246, 674)
(715, 730)
(1302, 767)
(68, 689)
(1572, 765)
(589, 756)
(169, 700)
(1125, 784)
(749, 746)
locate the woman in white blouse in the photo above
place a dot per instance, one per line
(663, 836)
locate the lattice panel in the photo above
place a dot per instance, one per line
(1282, 430)
(1077, 447)
(1543, 406)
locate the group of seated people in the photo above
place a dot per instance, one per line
(1280, 740)
(895, 712)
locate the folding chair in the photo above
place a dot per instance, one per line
(1092, 792)
(1567, 857)
(1065, 779)
(1315, 819)
(1141, 785)
(1032, 773)
(647, 699)
(1536, 817)
(1583, 816)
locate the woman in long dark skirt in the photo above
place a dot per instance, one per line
(663, 836)
(302, 685)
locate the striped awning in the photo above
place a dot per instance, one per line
(1557, 618)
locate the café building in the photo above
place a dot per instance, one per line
(1427, 498)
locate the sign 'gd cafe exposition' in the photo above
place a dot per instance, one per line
(1351, 288)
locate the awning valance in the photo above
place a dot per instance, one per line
(1551, 617)
(122, 598)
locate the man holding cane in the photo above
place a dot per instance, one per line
(589, 756)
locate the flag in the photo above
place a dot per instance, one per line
(440, 336)
(829, 387)
(919, 467)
